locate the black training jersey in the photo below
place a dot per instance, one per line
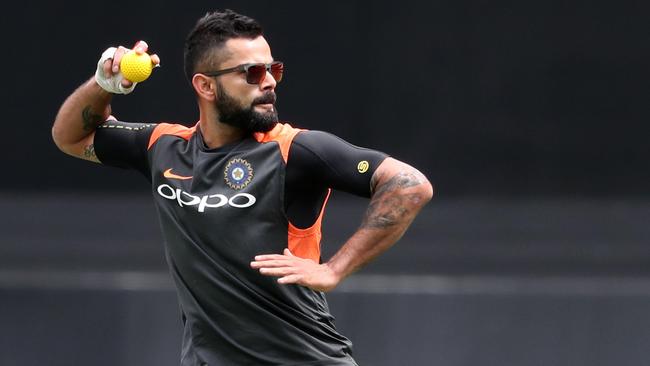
(218, 209)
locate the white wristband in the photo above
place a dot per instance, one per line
(112, 84)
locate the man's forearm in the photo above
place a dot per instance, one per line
(397, 199)
(399, 192)
(80, 114)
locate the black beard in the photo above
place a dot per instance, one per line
(247, 119)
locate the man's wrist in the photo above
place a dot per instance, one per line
(335, 271)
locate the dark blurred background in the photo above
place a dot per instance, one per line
(529, 117)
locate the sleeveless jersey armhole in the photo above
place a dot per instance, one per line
(304, 243)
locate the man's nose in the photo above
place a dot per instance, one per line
(269, 82)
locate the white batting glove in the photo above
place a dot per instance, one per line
(113, 83)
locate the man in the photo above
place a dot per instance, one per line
(240, 198)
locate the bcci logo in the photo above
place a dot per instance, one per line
(238, 173)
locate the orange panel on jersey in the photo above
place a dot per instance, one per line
(283, 134)
(305, 243)
(170, 129)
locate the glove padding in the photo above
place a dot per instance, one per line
(113, 83)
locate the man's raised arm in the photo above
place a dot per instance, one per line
(89, 106)
(74, 127)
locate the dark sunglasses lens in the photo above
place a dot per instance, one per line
(277, 69)
(255, 74)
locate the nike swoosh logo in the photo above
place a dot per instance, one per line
(168, 174)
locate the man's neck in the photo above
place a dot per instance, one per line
(217, 134)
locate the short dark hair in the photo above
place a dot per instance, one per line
(210, 34)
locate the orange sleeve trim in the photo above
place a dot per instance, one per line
(283, 134)
(305, 243)
(170, 129)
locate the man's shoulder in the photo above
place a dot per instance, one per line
(282, 130)
(283, 133)
(173, 129)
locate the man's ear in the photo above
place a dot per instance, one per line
(204, 86)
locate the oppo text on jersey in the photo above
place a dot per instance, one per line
(240, 200)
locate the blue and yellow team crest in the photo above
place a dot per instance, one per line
(238, 173)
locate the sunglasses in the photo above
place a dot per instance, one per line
(255, 73)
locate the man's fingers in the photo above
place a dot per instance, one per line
(117, 57)
(155, 59)
(112, 66)
(278, 272)
(140, 47)
(108, 68)
(270, 263)
(266, 257)
(294, 278)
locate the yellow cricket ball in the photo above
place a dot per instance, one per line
(136, 67)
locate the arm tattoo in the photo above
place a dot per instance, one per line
(90, 119)
(388, 206)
